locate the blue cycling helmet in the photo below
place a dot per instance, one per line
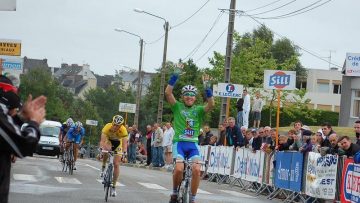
(357, 157)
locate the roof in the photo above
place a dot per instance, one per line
(104, 81)
(35, 63)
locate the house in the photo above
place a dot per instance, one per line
(77, 79)
(130, 80)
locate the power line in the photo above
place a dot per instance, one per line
(190, 16)
(155, 41)
(302, 48)
(296, 12)
(204, 38)
(274, 9)
(213, 44)
(263, 6)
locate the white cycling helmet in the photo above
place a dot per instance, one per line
(78, 124)
(189, 88)
(117, 120)
(69, 122)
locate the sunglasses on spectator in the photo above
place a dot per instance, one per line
(189, 94)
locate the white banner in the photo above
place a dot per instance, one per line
(126, 107)
(321, 176)
(228, 90)
(213, 160)
(92, 122)
(239, 164)
(204, 152)
(226, 154)
(254, 165)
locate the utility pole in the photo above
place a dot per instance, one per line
(225, 102)
(162, 82)
(139, 84)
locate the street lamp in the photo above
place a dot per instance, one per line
(138, 92)
(162, 81)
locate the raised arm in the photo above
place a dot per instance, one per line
(208, 92)
(169, 94)
(169, 88)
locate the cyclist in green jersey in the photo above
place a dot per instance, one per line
(188, 119)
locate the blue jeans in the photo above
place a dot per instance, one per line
(239, 119)
(161, 156)
(158, 157)
(132, 153)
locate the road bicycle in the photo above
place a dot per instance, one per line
(68, 159)
(108, 176)
(184, 188)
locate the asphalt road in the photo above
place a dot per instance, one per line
(39, 179)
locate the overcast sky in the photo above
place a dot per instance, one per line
(82, 31)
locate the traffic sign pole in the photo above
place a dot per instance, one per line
(278, 116)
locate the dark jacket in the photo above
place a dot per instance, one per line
(234, 137)
(206, 140)
(13, 141)
(221, 138)
(239, 104)
(256, 144)
(352, 150)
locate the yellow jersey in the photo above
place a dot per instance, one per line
(114, 135)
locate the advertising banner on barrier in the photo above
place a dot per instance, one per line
(249, 165)
(214, 157)
(204, 152)
(321, 176)
(268, 169)
(240, 164)
(288, 170)
(226, 154)
(350, 190)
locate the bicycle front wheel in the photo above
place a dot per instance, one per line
(71, 162)
(108, 179)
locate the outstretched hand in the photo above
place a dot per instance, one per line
(34, 109)
(206, 81)
(178, 68)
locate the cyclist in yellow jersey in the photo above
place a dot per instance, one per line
(114, 137)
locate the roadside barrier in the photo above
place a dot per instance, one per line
(287, 175)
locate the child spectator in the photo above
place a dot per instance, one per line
(307, 146)
(283, 143)
(315, 144)
(297, 140)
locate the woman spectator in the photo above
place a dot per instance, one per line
(222, 135)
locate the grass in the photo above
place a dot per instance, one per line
(349, 131)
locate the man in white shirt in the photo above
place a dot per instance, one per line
(246, 108)
(167, 144)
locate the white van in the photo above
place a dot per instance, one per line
(49, 140)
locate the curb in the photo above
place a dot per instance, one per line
(146, 167)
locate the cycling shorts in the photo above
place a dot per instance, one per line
(116, 147)
(186, 150)
(74, 138)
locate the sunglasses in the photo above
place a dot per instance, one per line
(189, 94)
(7, 87)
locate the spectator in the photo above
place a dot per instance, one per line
(248, 138)
(239, 107)
(315, 144)
(257, 108)
(349, 148)
(246, 108)
(297, 127)
(257, 140)
(213, 140)
(307, 146)
(201, 137)
(233, 134)
(357, 131)
(167, 144)
(148, 144)
(266, 137)
(208, 135)
(82, 152)
(243, 130)
(327, 131)
(158, 150)
(133, 132)
(334, 147)
(297, 140)
(222, 135)
(141, 152)
(15, 142)
(283, 143)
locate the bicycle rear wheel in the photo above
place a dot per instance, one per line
(71, 161)
(64, 162)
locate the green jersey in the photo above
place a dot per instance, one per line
(187, 121)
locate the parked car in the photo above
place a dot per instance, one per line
(49, 140)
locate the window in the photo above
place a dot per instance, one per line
(355, 104)
(323, 87)
(301, 85)
(337, 89)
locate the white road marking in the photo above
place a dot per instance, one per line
(152, 186)
(118, 184)
(67, 180)
(34, 189)
(24, 177)
(93, 167)
(200, 191)
(237, 194)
